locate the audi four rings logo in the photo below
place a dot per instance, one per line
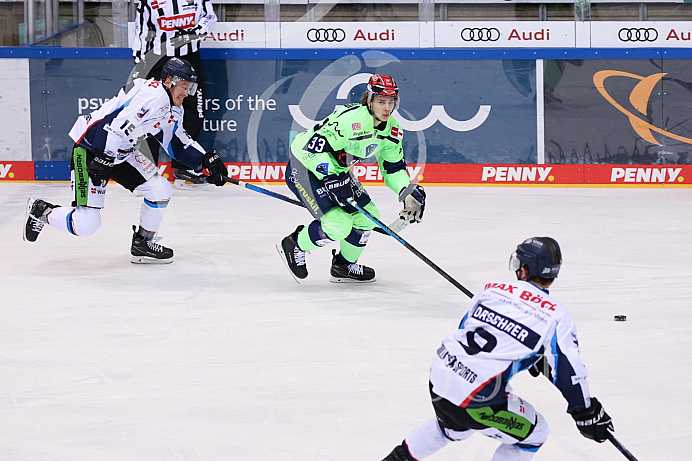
(326, 35)
(480, 34)
(639, 34)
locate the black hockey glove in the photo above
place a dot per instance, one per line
(413, 198)
(100, 168)
(339, 188)
(216, 168)
(541, 367)
(593, 422)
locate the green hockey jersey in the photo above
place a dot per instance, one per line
(348, 136)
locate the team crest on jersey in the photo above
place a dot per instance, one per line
(355, 126)
(142, 112)
(397, 132)
(370, 149)
(322, 168)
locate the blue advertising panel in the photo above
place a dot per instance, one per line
(452, 110)
(480, 111)
(618, 111)
(63, 89)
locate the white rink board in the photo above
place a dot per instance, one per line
(15, 111)
(222, 356)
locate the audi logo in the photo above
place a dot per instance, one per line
(480, 34)
(638, 34)
(326, 35)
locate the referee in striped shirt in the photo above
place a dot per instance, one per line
(167, 28)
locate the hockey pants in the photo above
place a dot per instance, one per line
(135, 174)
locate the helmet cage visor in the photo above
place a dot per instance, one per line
(514, 262)
(381, 91)
(193, 85)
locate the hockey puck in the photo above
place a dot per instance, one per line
(620, 318)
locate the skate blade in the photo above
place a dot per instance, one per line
(350, 280)
(283, 259)
(148, 260)
(182, 184)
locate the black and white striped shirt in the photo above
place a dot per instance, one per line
(159, 26)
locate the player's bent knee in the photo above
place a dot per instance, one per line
(337, 224)
(84, 221)
(156, 189)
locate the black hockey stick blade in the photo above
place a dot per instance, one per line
(261, 190)
(410, 247)
(620, 447)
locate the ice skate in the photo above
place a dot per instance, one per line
(400, 453)
(293, 256)
(36, 212)
(146, 251)
(189, 179)
(345, 271)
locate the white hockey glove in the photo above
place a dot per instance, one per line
(413, 198)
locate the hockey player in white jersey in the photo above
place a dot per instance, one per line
(508, 327)
(105, 149)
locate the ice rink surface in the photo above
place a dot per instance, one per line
(223, 356)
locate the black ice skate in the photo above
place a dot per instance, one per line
(344, 271)
(399, 453)
(189, 179)
(145, 251)
(293, 256)
(36, 212)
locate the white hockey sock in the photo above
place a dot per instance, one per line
(151, 215)
(81, 221)
(426, 439)
(507, 452)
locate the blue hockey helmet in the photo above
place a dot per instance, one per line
(180, 69)
(541, 255)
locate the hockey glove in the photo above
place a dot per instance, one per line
(339, 188)
(216, 168)
(413, 198)
(593, 422)
(541, 367)
(100, 168)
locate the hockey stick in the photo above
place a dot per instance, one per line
(399, 224)
(409, 247)
(620, 447)
(261, 190)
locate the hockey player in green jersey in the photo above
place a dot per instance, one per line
(318, 174)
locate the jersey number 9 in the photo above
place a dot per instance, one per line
(488, 340)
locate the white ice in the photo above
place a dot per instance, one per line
(223, 356)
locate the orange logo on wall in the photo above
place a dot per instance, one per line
(639, 98)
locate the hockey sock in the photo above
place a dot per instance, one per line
(506, 452)
(312, 236)
(151, 214)
(426, 439)
(354, 244)
(81, 221)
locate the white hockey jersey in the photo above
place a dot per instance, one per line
(502, 332)
(141, 108)
(158, 26)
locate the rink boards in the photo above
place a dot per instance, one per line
(433, 173)
(556, 116)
